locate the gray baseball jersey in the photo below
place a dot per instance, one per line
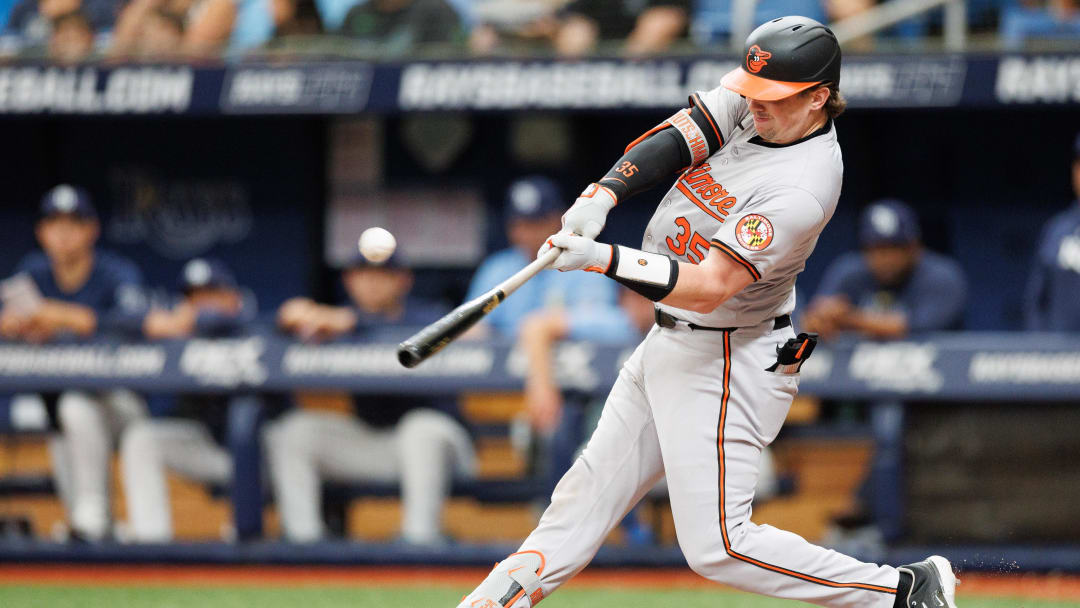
(761, 204)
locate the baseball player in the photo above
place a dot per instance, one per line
(759, 173)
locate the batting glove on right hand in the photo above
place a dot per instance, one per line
(587, 215)
(580, 253)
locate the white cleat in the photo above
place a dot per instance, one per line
(513, 583)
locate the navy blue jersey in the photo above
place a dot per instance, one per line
(931, 298)
(1052, 300)
(114, 289)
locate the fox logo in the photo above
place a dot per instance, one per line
(756, 59)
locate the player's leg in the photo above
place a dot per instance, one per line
(618, 466)
(150, 448)
(432, 447)
(713, 419)
(305, 448)
(88, 423)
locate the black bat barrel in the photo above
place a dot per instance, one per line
(434, 337)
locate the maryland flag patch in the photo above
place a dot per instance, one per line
(754, 232)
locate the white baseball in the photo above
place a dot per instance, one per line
(377, 244)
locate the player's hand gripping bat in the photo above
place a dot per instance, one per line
(434, 337)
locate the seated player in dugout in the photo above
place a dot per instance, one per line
(893, 287)
(77, 290)
(711, 384)
(418, 441)
(533, 206)
(190, 439)
(1050, 301)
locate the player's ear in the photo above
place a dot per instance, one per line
(819, 96)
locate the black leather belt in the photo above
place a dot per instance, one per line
(663, 319)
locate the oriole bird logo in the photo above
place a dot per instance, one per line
(756, 59)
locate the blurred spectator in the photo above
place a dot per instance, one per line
(893, 287)
(712, 21)
(416, 440)
(534, 207)
(33, 20)
(77, 291)
(505, 24)
(72, 38)
(190, 441)
(400, 26)
(296, 18)
(1039, 19)
(206, 27)
(1052, 300)
(645, 26)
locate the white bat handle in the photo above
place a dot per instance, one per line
(511, 284)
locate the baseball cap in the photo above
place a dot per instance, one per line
(201, 273)
(888, 222)
(359, 260)
(68, 199)
(533, 197)
(785, 56)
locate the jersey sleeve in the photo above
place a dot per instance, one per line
(722, 109)
(705, 125)
(780, 229)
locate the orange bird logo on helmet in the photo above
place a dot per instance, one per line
(756, 59)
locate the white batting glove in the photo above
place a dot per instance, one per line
(587, 215)
(580, 253)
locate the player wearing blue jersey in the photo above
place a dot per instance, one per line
(80, 291)
(892, 287)
(1051, 302)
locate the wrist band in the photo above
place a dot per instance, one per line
(651, 274)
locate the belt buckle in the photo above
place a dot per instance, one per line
(663, 319)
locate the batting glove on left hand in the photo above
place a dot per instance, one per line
(579, 253)
(588, 214)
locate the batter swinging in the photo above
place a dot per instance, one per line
(759, 177)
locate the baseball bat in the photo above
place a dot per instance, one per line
(436, 336)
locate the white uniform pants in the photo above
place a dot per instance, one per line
(150, 448)
(698, 407)
(89, 425)
(424, 450)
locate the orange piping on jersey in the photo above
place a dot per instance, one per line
(637, 141)
(723, 515)
(738, 259)
(693, 199)
(708, 117)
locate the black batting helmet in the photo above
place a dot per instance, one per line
(785, 56)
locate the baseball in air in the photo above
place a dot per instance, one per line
(377, 244)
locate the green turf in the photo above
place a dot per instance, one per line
(319, 597)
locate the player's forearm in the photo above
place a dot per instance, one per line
(66, 316)
(888, 326)
(647, 163)
(701, 288)
(539, 334)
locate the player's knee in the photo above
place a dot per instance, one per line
(425, 427)
(77, 410)
(296, 434)
(138, 441)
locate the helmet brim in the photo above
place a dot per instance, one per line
(762, 89)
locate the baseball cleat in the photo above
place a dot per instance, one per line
(933, 584)
(513, 583)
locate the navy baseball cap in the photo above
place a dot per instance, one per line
(888, 222)
(68, 199)
(533, 197)
(202, 273)
(359, 260)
